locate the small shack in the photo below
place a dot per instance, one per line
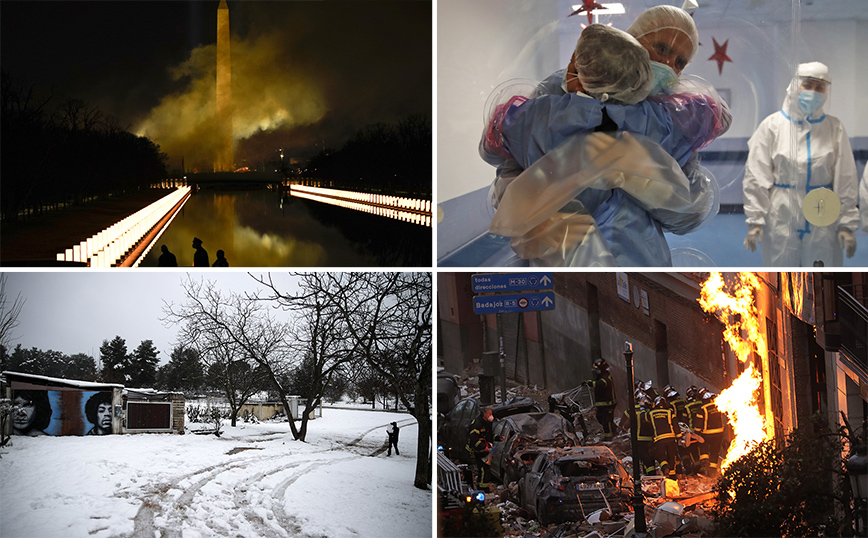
(54, 406)
(152, 411)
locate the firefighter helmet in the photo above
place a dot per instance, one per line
(708, 396)
(670, 392)
(660, 402)
(645, 402)
(691, 392)
(601, 364)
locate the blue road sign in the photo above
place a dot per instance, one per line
(489, 283)
(519, 302)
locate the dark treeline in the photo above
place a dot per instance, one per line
(49, 363)
(381, 158)
(69, 152)
(184, 372)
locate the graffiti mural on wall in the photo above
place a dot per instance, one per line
(55, 412)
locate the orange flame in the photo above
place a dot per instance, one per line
(737, 311)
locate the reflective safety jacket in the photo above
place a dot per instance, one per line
(679, 412)
(604, 389)
(646, 429)
(661, 419)
(710, 419)
(693, 420)
(479, 440)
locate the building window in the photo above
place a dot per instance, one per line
(775, 379)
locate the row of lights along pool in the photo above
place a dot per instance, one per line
(413, 210)
(109, 246)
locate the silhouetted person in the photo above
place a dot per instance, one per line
(167, 259)
(392, 431)
(221, 260)
(200, 258)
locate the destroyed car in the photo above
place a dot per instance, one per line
(518, 439)
(448, 392)
(454, 430)
(567, 484)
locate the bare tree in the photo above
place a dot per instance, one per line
(230, 368)
(239, 323)
(10, 309)
(319, 334)
(387, 319)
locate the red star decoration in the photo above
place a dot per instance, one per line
(588, 6)
(720, 55)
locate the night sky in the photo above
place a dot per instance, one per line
(304, 73)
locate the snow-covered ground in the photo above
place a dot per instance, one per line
(254, 481)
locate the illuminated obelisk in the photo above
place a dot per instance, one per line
(225, 152)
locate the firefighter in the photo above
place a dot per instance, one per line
(645, 435)
(604, 397)
(679, 407)
(694, 403)
(479, 444)
(637, 397)
(711, 423)
(664, 437)
(649, 390)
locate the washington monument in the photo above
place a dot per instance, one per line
(225, 157)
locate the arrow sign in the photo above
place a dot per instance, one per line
(521, 302)
(490, 283)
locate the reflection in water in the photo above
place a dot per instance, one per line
(255, 230)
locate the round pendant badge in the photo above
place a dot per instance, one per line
(821, 207)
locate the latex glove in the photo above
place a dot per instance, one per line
(754, 236)
(558, 234)
(847, 241)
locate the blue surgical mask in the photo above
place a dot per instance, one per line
(664, 78)
(810, 101)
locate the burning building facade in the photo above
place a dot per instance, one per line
(776, 347)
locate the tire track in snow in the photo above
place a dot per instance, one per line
(157, 502)
(278, 493)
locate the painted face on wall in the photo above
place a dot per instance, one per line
(25, 415)
(104, 417)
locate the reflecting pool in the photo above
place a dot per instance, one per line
(260, 228)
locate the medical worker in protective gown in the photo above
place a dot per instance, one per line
(776, 182)
(632, 228)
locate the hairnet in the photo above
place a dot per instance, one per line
(815, 70)
(612, 66)
(660, 17)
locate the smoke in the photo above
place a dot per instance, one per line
(268, 93)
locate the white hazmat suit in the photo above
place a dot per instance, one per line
(774, 188)
(863, 199)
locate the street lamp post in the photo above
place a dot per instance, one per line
(639, 527)
(857, 468)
